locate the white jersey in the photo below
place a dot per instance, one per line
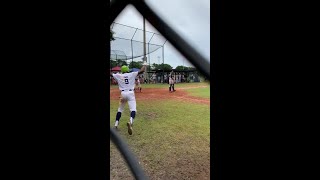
(126, 81)
(171, 76)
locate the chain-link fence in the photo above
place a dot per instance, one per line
(177, 41)
(118, 55)
(129, 40)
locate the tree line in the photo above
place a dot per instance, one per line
(153, 67)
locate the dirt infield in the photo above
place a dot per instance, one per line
(162, 94)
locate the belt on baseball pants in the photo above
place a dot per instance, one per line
(127, 90)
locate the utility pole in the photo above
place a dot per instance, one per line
(144, 47)
(163, 60)
(132, 47)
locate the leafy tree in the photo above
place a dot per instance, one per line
(138, 64)
(154, 66)
(119, 62)
(161, 67)
(113, 63)
(122, 62)
(181, 68)
(166, 67)
(135, 64)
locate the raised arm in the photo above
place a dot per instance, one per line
(143, 68)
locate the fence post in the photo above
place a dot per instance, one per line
(132, 46)
(163, 60)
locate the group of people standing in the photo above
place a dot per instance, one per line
(178, 78)
(154, 78)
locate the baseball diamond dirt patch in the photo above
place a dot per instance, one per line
(162, 94)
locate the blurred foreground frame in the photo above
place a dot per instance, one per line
(116, 7)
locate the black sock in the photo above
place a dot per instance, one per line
(133, 114)
(118, 116)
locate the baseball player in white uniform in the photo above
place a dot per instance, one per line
(126, 82)
(171, 82)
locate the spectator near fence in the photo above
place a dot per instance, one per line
(165, 78)
(137, 84)
(154, 76)
(141, 79)
(177, 78)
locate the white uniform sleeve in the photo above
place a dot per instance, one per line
(135, 74)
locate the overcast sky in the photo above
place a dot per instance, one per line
(190, 18)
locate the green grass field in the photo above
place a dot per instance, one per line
(203, 92)
(171, 139)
